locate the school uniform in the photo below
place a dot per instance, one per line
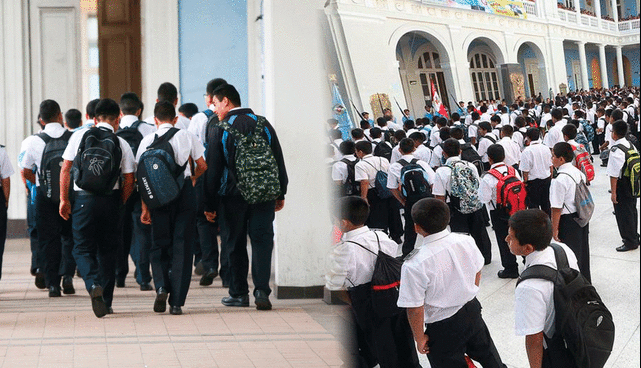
(519, 138)
(6, 170)
(544, 119)
(512, 152)
(423, 153)
(555, 135)
(394, 182)
(562, 190)
(340, 171)
(51, 227)
(440, 277)
(173, 226)
(396, 154)
(435, 138)
(484, 143)
(473, 223)
(181, 123)
(505, 119)
(625, 210)
(473, 131)
(436, 159)
(536, 160)
(534, 307)
(499, 216)
(145, 128)
(95, 222)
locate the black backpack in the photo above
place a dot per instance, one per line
(414, 183)
(383, 149)
(160, 179)
(582, 320)
(132, 135)
(51, 163)
(469, 154)
(351, 187)
(97, 164)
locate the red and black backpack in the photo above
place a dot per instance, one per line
(510, 191)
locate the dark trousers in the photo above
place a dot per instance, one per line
(126, 231)
(238, 219)
(500, 220)
(626, 214)
(206, 246)
(51, 228)
(463, 333)
(577, 238)
(472, 224)
(37, 258)
(95, 222)
(3, 226)
(538, 194)
(173, 229)
(409, 239)
(384, 214)
(68, 264)
(141, 245)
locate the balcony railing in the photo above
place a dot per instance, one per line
(530, 8)
(629, 26)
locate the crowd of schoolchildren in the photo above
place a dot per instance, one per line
(524, 169)
(160, 190)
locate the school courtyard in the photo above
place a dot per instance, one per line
(38, 331)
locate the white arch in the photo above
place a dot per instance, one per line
(491, 41)
(438, 40)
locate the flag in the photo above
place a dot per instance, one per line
(340, 113)
(436, 101)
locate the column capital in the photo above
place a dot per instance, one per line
(580, 43)
(601, 45)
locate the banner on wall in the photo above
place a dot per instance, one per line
(508, 8)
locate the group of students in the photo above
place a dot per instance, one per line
(533, 176)
(157, 190)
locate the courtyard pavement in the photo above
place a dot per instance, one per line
(38, 331)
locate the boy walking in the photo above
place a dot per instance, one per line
(6, 170)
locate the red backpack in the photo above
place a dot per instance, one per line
(510, 191)
(583, 162)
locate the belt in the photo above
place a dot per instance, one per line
(90, 194)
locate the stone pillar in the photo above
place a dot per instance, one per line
(597, 11)
(585, 80)
(577, 8)
(615, 13)
(604, 66)
(620, 66)
(556, 63)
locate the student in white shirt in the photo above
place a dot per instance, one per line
(555, 136)
(421, 151)
(512, 151)
(90, 114)
(435, 138)
(473, 128)
(168, 92)
(6, 170)
(536, 163)
(487, 138)
(341, 172)
(439, 284)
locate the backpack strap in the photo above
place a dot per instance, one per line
(560, 256)
(403, 162)
(45, 137)
(538, 272)
(67, 135)
(414, 161)
(165, 137)
(136, 124)
(362, 246)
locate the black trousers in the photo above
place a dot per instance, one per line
(382, 212)
(500, 220)
(3, 226)
(577, 238)
(463, 333)
(68, 263)
(173, 229)
(127, 232)
(237, 220)
(141, 245)
(538, 194)
(409, 238)
(51, 228)
(206, 246)
(37, 258)
(472, 224)
(626, 213)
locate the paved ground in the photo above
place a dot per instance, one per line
(36, 331)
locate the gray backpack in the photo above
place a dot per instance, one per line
(583, 202)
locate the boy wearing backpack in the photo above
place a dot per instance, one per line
(495, 192)
(173, 225)
(536, 166)
(582, 159)
(486, 139)
(439, 284)
(409, 180)
(99, 159)
(343, 171)
(624, 185)
(352, 267)
(40, 159)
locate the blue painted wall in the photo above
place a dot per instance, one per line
(525, 52)
(629, 8)
(573, 54)
(633, 56)
(213, 44)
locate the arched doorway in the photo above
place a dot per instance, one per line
(596, 73)
(484, 57)
(533, 64)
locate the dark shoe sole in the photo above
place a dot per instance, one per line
(508, 275)
(624, 248)
(55, 294)
(176, 311)
(234, 303)
(160, 305)
(98, 303)
(40, 281)
(146, 287)
(200, 269)
(67, 288)
(263, 304)
(208, 279)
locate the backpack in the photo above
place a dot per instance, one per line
(96, 167)
(160, 179)
(256, 167)
(414, 182)
(469, 154)
(582, 320)
(583, 202)
(588, 130)
(350, 187)
(132, 135)
(51, 163)
(581, 139)
(464, 188)
(381, 182)
(383, 149)
(510, 191)
(631, 169)
(583, 162)
(492, 139)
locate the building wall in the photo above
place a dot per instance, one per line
(212, 44)
(633, 57)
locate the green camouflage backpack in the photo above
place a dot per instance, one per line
(256, 166)
(631, 168)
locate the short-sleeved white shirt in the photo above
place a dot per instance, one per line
(367, 168)
(423, 153)
(396, 154)
(484, 143)
(608, 135)
(33, 146)
(563, 188)
(437, 157)
(487, 186)
(443, 173)
(473, 130)
(435, 137)
(181, 123)
(555, 135)
(616, 159)
(184, 144)
(441, 275)
(145, 128)
(544, 119)
(198, 125)
(394, 175)
(512, 151)
(339, 169)
(536, 160)
(6, 169)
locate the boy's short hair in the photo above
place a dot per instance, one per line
(456, 116)
(457, 132)
(507, 130)
(165, 111)
(357, 133)
(167, 92)
(569, 130)
(617, 114)
(213, 84)
(353, 209)
(441, 122)
(475, 116)
(129, 103)
(399, 135)
(347, 148)
(365, 124)
(91, 108)
(496, 153)
(496, 119)
(364, 146)
(620, 128)
(485, 126)
(431, 215)
(229, 91)
(532, 227)
(444, 133)
(381, 122)
(73, 118)
(451, 147)
(519, 121)
(533, 133)
(189, 109)
(375, 133)
(409, 124)
(49, 110)
(563, 150)
(107, 109)
(406, 146)
(417, 137)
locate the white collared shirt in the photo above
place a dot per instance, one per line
(544, 119)
(536, 160)
(423, 153)
(437, 157)
(181, 123)
(563, 188)
(441, 275)
(339, 169)
(616, 159)
(484, 143)
(144, 128)
(435, 136)
(198, 125)
(443, 173)
(394, 175)
(32, 147)
(396, 154)
(6, 169)
(555, 135)
(367, 168)
(487, 187)
(512, 151)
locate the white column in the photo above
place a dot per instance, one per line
(597, 11)
(615, 14)
(603, 66)
(556, 65)
(620, 65)
(577, 8)
(585, 83)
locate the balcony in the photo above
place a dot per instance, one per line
(629, 26)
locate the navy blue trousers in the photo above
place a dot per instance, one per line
(141, 245)
(51, 229)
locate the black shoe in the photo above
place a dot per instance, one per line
(97, 302)
(160, 305)
(508, 274)
(32, 271)
(175, 310)
(226, 284)
(120, 283)
(625, 248)
(200, 269)
(67, 285)
(40, 279)
(241, 301)
(487, 262)
(54, 291)
(145, 286)
(262, 300)
(208, 277)
(110, 310)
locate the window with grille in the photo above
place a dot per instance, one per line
(484, 77)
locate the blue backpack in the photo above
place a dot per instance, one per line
(381, 182)
(588, 130)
